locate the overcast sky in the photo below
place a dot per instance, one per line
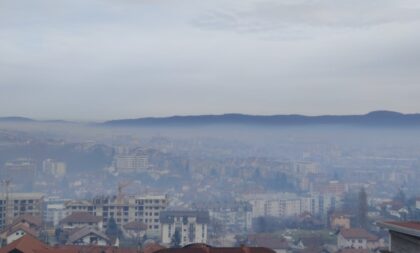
(107, 59)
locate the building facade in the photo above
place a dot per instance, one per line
(16, 204)
(145, 209)
(191, 226)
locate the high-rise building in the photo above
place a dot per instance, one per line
(191, 226)
(141, 208)
(13, 205)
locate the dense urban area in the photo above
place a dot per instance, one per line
(331, 189)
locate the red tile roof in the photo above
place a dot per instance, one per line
(24, 228)
(81, 217)
(217, 250)
(357, 233)
(25, 244)
(406, 224)
(135, 225)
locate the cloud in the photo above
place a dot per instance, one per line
(268, 15)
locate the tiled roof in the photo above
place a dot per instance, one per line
(152, 247)
(357, 233)
(24, 228)
(29, 244)
(26, 244)
(269, 241)
(31, 219)
(406, 227)
(84, 232)
(168, 216)
(81, 217)
(217, 250)
(406, 224)
(135, 225)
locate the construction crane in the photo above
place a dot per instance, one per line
(7, 203)
(121, 186)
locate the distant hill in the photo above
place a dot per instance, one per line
(376, 118)
(15, 119)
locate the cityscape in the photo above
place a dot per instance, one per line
(221, 126)
(158, 187)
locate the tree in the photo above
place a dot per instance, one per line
(112, 228)
(176, 239)
(400, 197)
(362, 208)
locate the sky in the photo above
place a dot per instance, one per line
(113, 59)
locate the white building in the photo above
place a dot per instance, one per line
(191, 226)
(16, 204)
(356, 238)
(141, 208)
(131, 163)
(55, 168)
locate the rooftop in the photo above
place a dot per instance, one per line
(406, 227)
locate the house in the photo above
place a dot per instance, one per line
(29, 244)
(311, 244)
(134, 229)
(88, 236)
(80, 220)
(18, 231)
(357, 238)
(203, 248)
(404, 236)
(22, 225)
(277, 243)
(25, 244)
(340, 220)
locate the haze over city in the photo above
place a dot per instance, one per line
(221, 126)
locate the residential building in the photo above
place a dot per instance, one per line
(143, 208)
(191, 226)
(54, 210)
(357, 238)
(80, 220)
(340, 220)
(25, 224)
(54, 168)
(404, 236)
(236, 216)
(13, 205)
(88, 236)
(131, 163)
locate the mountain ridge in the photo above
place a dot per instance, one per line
(381, 117)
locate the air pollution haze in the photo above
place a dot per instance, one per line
(222, 126)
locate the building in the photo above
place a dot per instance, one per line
(340, 220)
(88, 236)
(357, 238)
(191, 226)
(134, 229)
(23, 225)
(13, 205)
(21, 172)
(404, 237)
(202, 248)
(54, 210)
(54, 168)
(80, 220)
(131, 163)
(278, 243)
(235, 216)
(145, 209)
